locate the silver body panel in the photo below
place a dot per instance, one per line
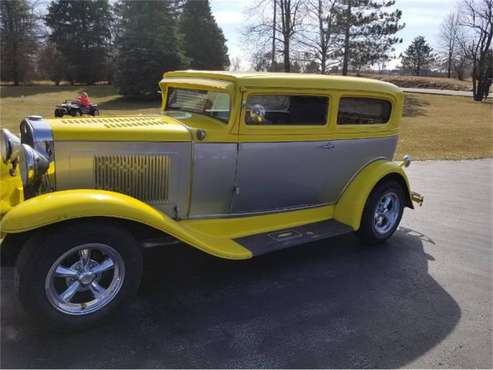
(288, 175)
(76, 169)
(203, 180)
(213, 178)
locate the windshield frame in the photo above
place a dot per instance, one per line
(204, 89)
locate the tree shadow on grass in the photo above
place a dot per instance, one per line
(414, 106)
(328, 304)
(95, 91)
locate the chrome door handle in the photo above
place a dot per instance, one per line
(328, 146)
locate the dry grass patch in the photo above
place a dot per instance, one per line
(441, 83)
(18, 102)
(433, 127)
(446, 127)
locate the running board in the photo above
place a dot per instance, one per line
(280, 239)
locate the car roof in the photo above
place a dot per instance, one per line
(289, 80)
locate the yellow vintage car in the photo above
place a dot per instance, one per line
(237, 165)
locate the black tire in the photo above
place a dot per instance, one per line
(58, 113)
(369, 232)
(45, 248)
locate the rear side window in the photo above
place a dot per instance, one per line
(363, 111)
(286, 110)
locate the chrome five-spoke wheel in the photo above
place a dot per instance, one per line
(76, 274)
(382, 213)
(387, 212)
(85, 279)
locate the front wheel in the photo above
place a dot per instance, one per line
(74, 276)
(382, 213)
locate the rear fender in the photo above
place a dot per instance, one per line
(52, 208)
(350, 206)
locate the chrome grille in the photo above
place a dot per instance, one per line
(142, 176)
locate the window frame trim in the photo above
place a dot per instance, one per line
(363, 126)
(226, 123)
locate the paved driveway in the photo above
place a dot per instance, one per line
(422, 300)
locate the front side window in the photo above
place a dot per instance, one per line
(363, 111)
(286, 110)
(210, 103)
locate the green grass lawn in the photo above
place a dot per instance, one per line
(433, 126)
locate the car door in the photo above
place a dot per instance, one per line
(283, 154)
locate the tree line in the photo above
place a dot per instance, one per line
(323, 35)
(465, 47)
(338, 36)
(129, 43)
(466, 36)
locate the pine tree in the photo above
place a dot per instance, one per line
(369, 28)
(18, 40)
(81, 33)
(146, 46)
(204, 42)
(418, 56)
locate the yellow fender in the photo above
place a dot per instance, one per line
(349, 208)
(65, 205)
(11, 191)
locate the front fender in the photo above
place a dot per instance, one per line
(55, 207)
(11, 190)
(350, 206)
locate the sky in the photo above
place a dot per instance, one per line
(422, 17)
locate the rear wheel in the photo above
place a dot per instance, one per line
(382, 213)
(74, 276)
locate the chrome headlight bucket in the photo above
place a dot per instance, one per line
(36, 156)
(10, 146)
(32, 165)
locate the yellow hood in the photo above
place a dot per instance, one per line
(123, 128)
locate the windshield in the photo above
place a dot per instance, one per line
(211, 103)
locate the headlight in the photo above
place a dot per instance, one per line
(32, 164)
(10, 145)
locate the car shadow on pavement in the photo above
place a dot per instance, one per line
(328, 304)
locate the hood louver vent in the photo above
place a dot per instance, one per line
(142, 176)
(121, 122)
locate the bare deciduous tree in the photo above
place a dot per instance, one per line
(320, 37)
(477, 17)
(449, 33)
(275, 22)
(235, 65)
